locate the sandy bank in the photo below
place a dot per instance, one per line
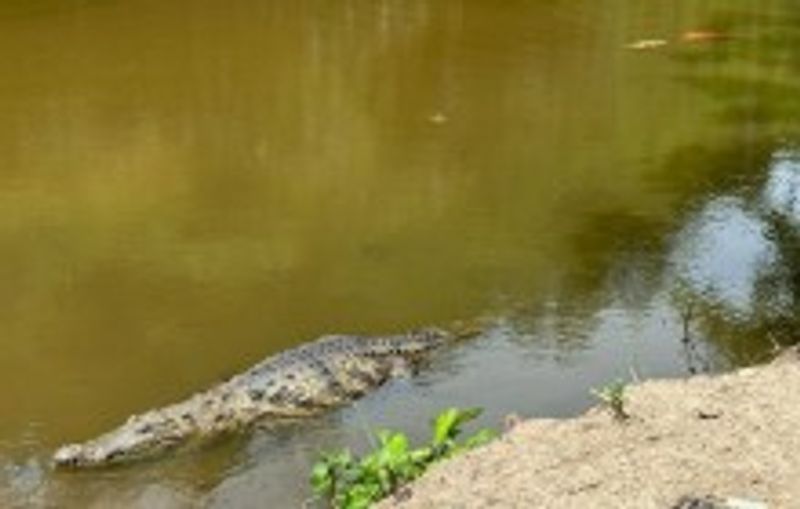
(732, 436)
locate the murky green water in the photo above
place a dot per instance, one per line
(186, 187)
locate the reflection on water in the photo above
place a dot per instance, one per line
(186, 187)
(736, 259)
(783, 186)
(722, 252)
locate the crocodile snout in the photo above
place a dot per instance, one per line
(71, 455)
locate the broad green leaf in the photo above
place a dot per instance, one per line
(448, 423)
(421, 455)
(396, 445)
(443, 425)
(321, 480)
(480, 438)
(362, 496)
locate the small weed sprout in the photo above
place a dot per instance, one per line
(613, 397)
(347, 482)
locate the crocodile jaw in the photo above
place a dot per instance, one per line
(69, 455)
(117, 446)
(79, 456)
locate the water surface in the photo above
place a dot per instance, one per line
(187, 187)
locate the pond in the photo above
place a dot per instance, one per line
(189, 186)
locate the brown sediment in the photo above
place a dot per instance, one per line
(732, 436)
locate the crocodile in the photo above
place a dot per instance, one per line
(296, 383)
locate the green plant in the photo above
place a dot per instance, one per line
(613, 396)
(349, 482)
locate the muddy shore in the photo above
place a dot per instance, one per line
(734, 436)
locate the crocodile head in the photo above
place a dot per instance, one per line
(135, 439)
(77, 456)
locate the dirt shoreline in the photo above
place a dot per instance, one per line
(732, 436)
